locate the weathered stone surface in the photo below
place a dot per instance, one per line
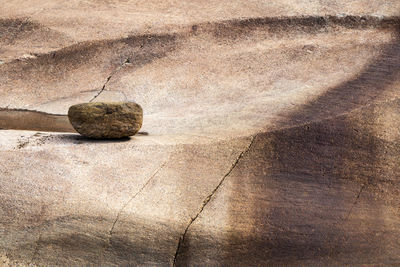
(317, 186)
(106, 120)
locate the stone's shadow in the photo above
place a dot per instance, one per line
(79, 139)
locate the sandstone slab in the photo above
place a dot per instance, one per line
(273, 133)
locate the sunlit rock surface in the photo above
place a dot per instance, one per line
(106, 120)
(272, 133)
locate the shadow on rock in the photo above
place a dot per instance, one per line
(77, 139)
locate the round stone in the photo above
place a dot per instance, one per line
(106, 119)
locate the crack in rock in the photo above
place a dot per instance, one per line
(209, 197)
(37, 245)
(135, 195)
(109, 78)
(36, 251)
(355, 201)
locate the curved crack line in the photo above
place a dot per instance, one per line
(208, 198)
(137, 193)
(39, 240)
(109, 78)
(36, 251)
(355, 202)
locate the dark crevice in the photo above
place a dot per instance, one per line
(36, 251)
(135, 195)
(39, 240)
(355, 202)
(109, 78)
(208, 198)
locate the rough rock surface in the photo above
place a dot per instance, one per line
(106, 119)
(273, 133)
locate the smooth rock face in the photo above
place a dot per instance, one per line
(319, 185)
(106, 120)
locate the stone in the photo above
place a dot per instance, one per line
(106, 119)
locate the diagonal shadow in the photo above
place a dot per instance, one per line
(362, 90)
(293, 196)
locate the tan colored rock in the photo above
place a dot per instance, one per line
(274, 133)
(106, 120)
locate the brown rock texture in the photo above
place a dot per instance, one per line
(273, 133)
(106, 120)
